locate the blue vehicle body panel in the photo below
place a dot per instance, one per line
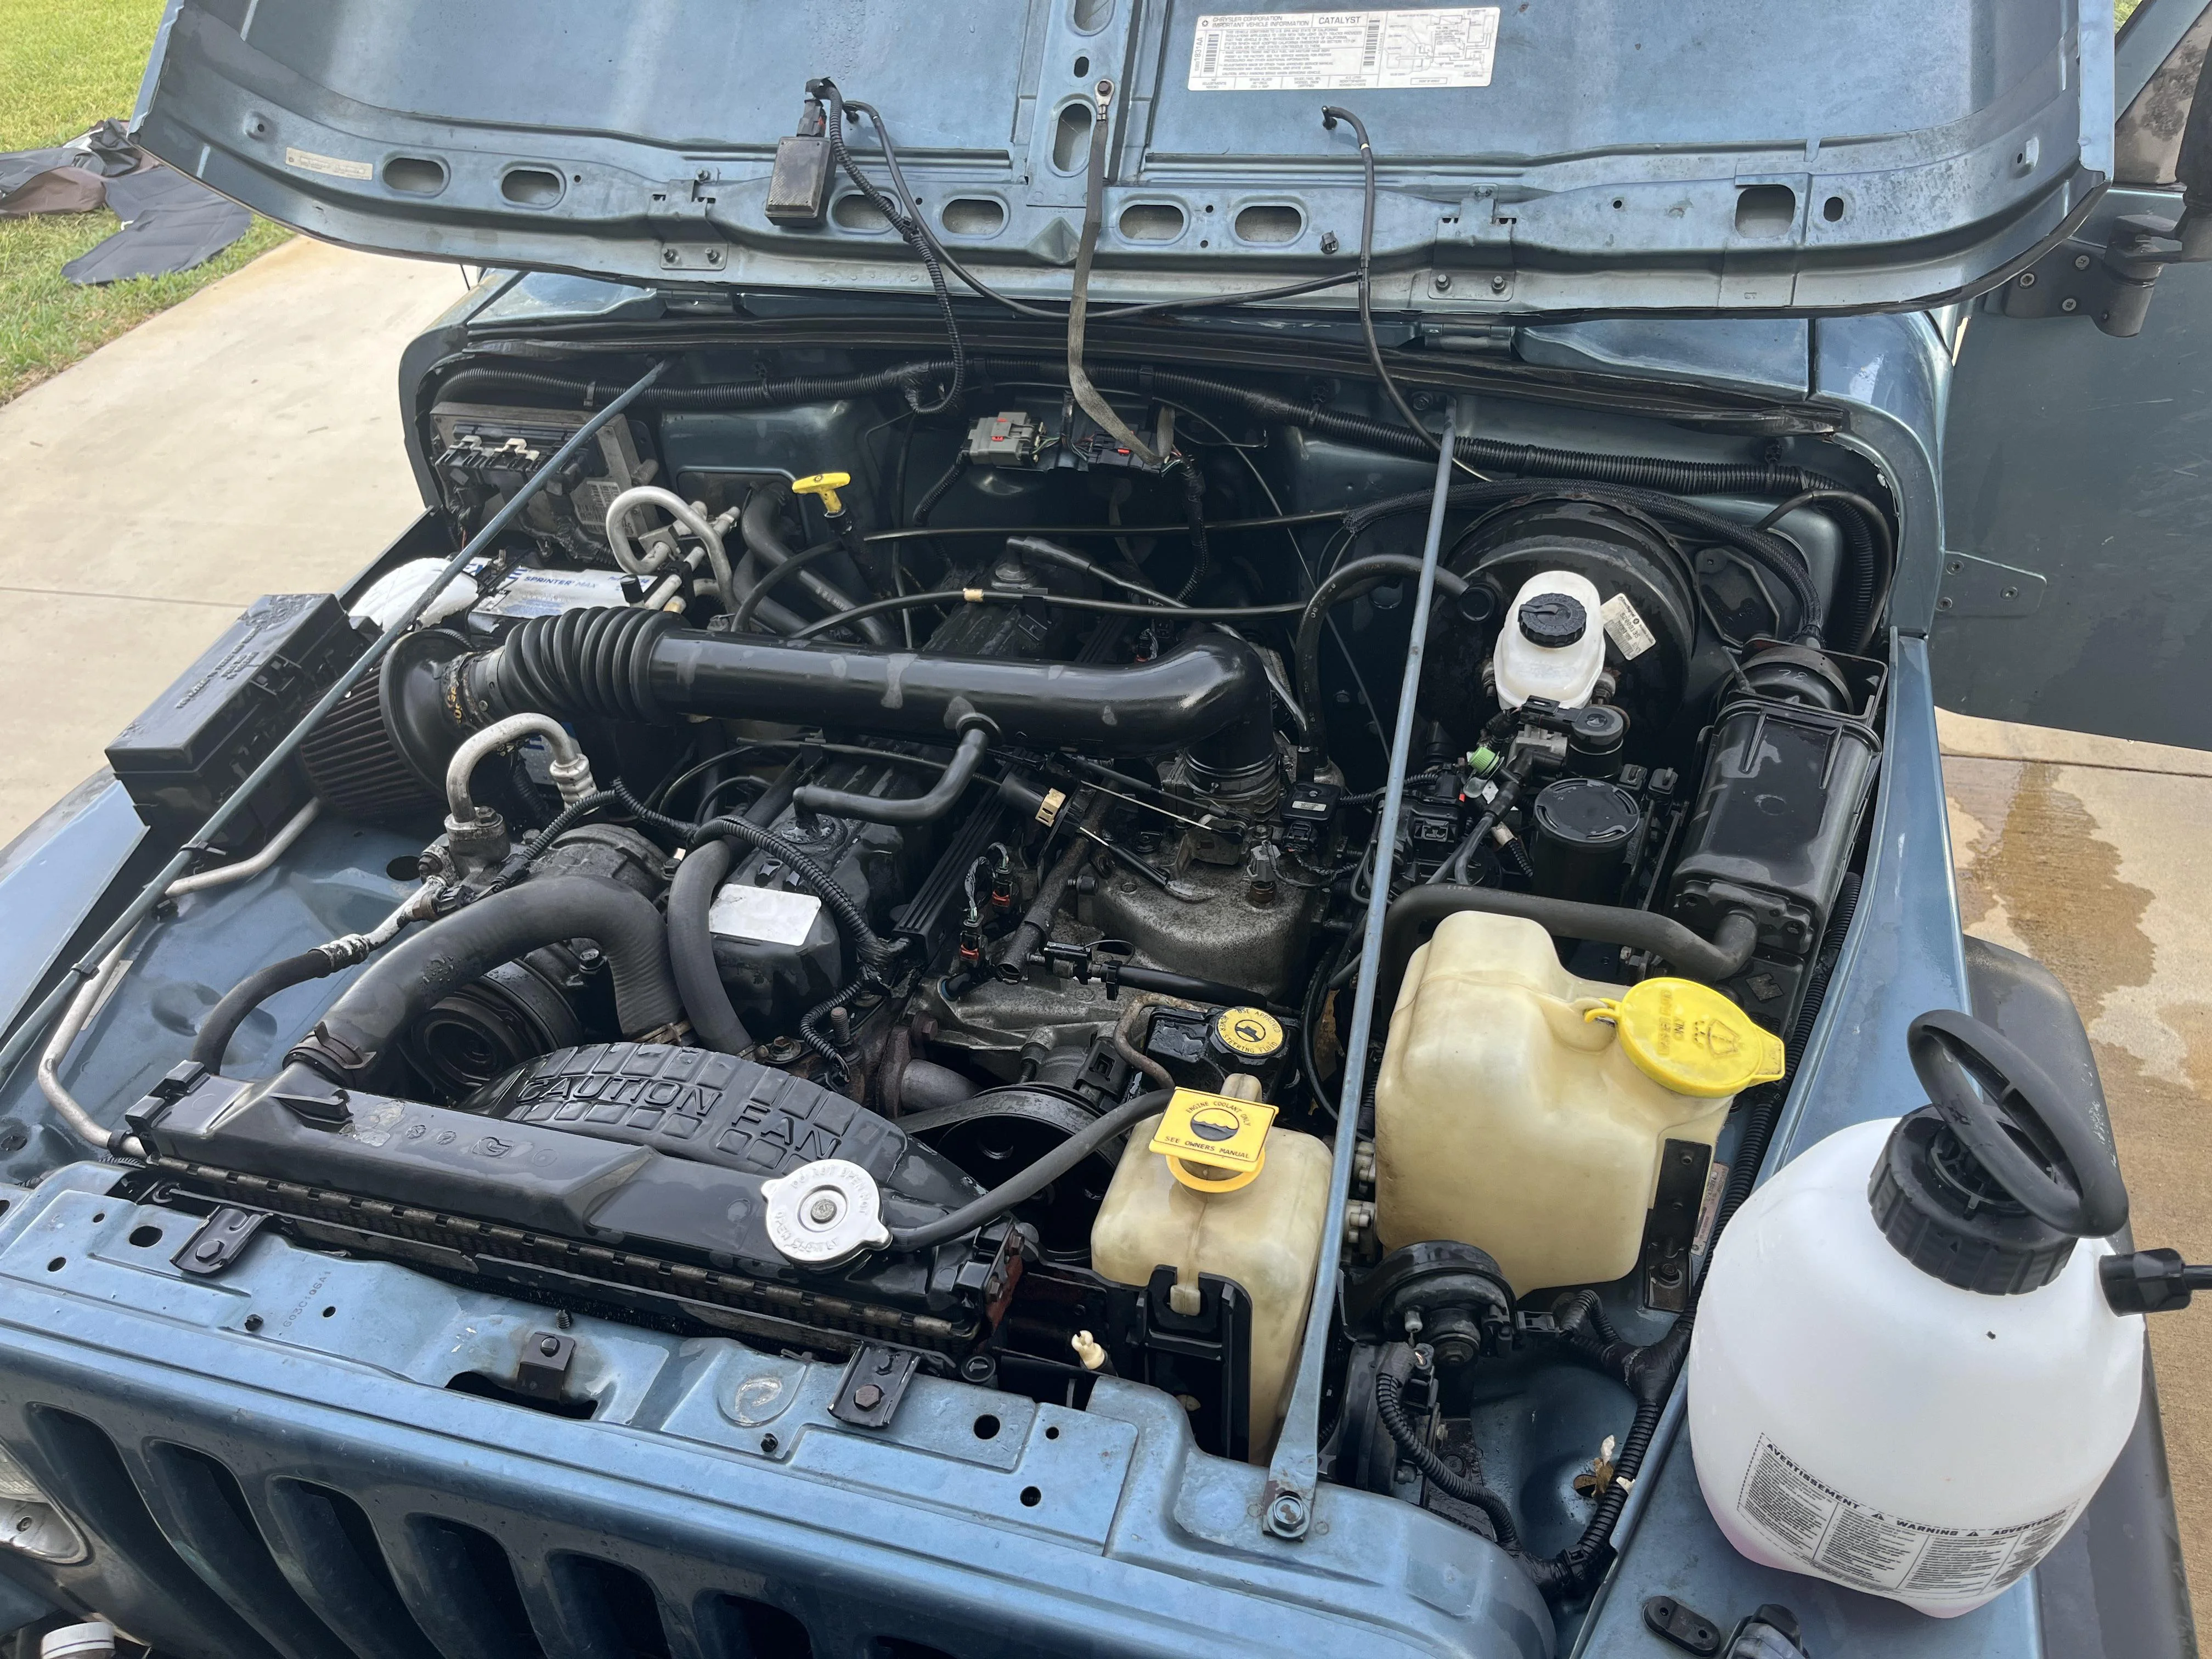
(977, 1522)
(200, 1453)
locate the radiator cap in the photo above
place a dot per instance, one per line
(825, 1213)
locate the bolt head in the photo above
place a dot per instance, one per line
(867, 1397)
(1287, 1513)
(2080, 262)
(548, 1345)
(1440, 281)
(1498, 285)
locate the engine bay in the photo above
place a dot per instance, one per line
(896, 874)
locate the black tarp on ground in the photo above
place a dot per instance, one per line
(170, 222)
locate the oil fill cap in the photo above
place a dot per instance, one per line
(1214, 1143)
(1688, 1037)
(1248, 1033)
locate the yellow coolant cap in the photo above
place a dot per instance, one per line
(1688, 1037)
(1214, 1143)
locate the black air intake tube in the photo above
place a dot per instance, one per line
(363, 1025)
(1209, 696)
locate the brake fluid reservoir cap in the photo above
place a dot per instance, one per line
(1688, 1037)
(1555, 621)
(1214, 1143)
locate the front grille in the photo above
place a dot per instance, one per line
(282, 1462)
(303, 1570)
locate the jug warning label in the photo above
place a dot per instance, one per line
(1311, 51)
(1810, 1521)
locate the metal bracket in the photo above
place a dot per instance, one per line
(543, 1370)
(2110, 285)
(873, 1383)
(218, 1241)
(1975, 586)
(677, 256)
(1671, 1228)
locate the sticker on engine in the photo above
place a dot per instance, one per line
(1812, 1522)
(548, 592)
(1626, 627)
(763, 916)
(1317, 50)
(336, 166)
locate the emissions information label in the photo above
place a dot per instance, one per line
(1812, 1522)
(1317, 50)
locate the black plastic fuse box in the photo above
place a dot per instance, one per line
(201, 738)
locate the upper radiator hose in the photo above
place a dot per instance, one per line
(360, 1029)
(1209, 696)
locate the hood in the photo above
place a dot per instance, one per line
(1543, 156)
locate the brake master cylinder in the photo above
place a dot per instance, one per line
(1525, 1111)
(1915, 1358)
(1210, 1186)
(1552, 643)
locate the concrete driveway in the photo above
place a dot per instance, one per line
(249, 442)
(246, 441)
(2092, 855)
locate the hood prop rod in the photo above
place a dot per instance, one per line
(1286, 1511)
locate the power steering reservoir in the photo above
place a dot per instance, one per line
(1524, 1111)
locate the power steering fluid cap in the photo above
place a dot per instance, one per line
(1214, 1143)
(1249, 1035)
(1688, 1037)
(825, 1213)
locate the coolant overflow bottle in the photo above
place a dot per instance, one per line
(1905, 1377)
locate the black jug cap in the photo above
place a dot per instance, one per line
(1988, 1187)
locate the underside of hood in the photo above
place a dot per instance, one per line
(1555, 157)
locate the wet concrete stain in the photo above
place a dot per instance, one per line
(2038, 871)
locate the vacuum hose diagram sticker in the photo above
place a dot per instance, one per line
(1318, 50)
(1812, 1522)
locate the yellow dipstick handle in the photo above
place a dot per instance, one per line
(826, 485)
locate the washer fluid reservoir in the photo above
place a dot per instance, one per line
(1210, 1187)
(1524, 1111)
(1906, 1376)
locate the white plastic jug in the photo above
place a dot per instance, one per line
(1552, 642)
(1509, 1118)
(1912, 1387)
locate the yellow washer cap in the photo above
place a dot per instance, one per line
(1688, 1037)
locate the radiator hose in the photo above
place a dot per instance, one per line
(362, 1027)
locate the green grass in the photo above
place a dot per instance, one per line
(65, 66)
